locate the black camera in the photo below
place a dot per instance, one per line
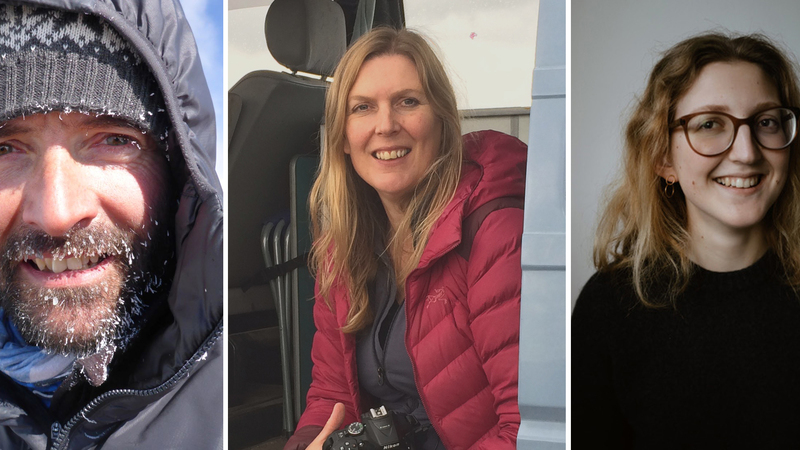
(379, 430)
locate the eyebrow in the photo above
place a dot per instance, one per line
(106, 121)
(9, 129)
(357, 98)
(726, 109)
(12, 127)
(400, 93)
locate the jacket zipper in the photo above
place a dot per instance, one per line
(439, 433)
(60, 433)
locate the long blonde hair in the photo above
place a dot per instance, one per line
(346, 213)
(643, 230)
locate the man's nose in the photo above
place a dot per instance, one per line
(58, 197)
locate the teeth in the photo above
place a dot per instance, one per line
(741, 183)
(393, 154)
(60, 265)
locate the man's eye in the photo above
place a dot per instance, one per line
(118, 140)
(5, 149)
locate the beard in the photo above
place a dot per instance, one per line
(82, 320)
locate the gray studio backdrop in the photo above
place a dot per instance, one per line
(615, 43)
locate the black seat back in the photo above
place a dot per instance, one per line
(274, 116)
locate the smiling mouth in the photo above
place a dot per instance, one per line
(388, 155)
(56, 265)
(739, 183)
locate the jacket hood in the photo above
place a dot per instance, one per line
(501, 161)
(494, 167)
(158, 30)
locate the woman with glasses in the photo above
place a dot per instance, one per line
(688, 335)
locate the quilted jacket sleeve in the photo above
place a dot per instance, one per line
(329, 380)
(302, 437)
(494, 278)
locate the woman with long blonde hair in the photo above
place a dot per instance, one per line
(417, 235)
(686, 335)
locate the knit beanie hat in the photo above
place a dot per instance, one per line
(53, 60)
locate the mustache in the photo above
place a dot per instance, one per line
(27, 242)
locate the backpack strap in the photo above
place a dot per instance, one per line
(472, 223)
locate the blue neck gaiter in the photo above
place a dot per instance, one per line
(36, 369)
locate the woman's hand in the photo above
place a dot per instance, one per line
(333, 424)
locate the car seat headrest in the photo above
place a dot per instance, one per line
(306, 35)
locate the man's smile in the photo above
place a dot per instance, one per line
(78, 292)
(58, 265)
(65, 273)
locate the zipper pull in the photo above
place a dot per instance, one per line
(55, 430)
(380, 375)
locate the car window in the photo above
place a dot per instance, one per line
(247, 44)
(489, 46)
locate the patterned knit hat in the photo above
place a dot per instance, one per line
(56, 60)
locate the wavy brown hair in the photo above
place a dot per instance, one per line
(644, 231)
(346, 213)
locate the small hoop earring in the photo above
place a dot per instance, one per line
(669, 189)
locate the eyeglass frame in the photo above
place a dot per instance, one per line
(737, 122)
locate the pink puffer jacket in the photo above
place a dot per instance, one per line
(462, 308)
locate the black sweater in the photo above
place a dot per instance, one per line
(720, 371)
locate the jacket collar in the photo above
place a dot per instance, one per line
(446, 233)
(494, 167)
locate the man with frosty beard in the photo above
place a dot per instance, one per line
(110, 230)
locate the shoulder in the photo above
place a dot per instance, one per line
(488, 146)
(606, 319)
(607, 282)
(492, 179)
(163, 423)
(493, 175)
(607, 295)
(500, 160)
(331, 311)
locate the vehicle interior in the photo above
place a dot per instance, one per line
(275, 112)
